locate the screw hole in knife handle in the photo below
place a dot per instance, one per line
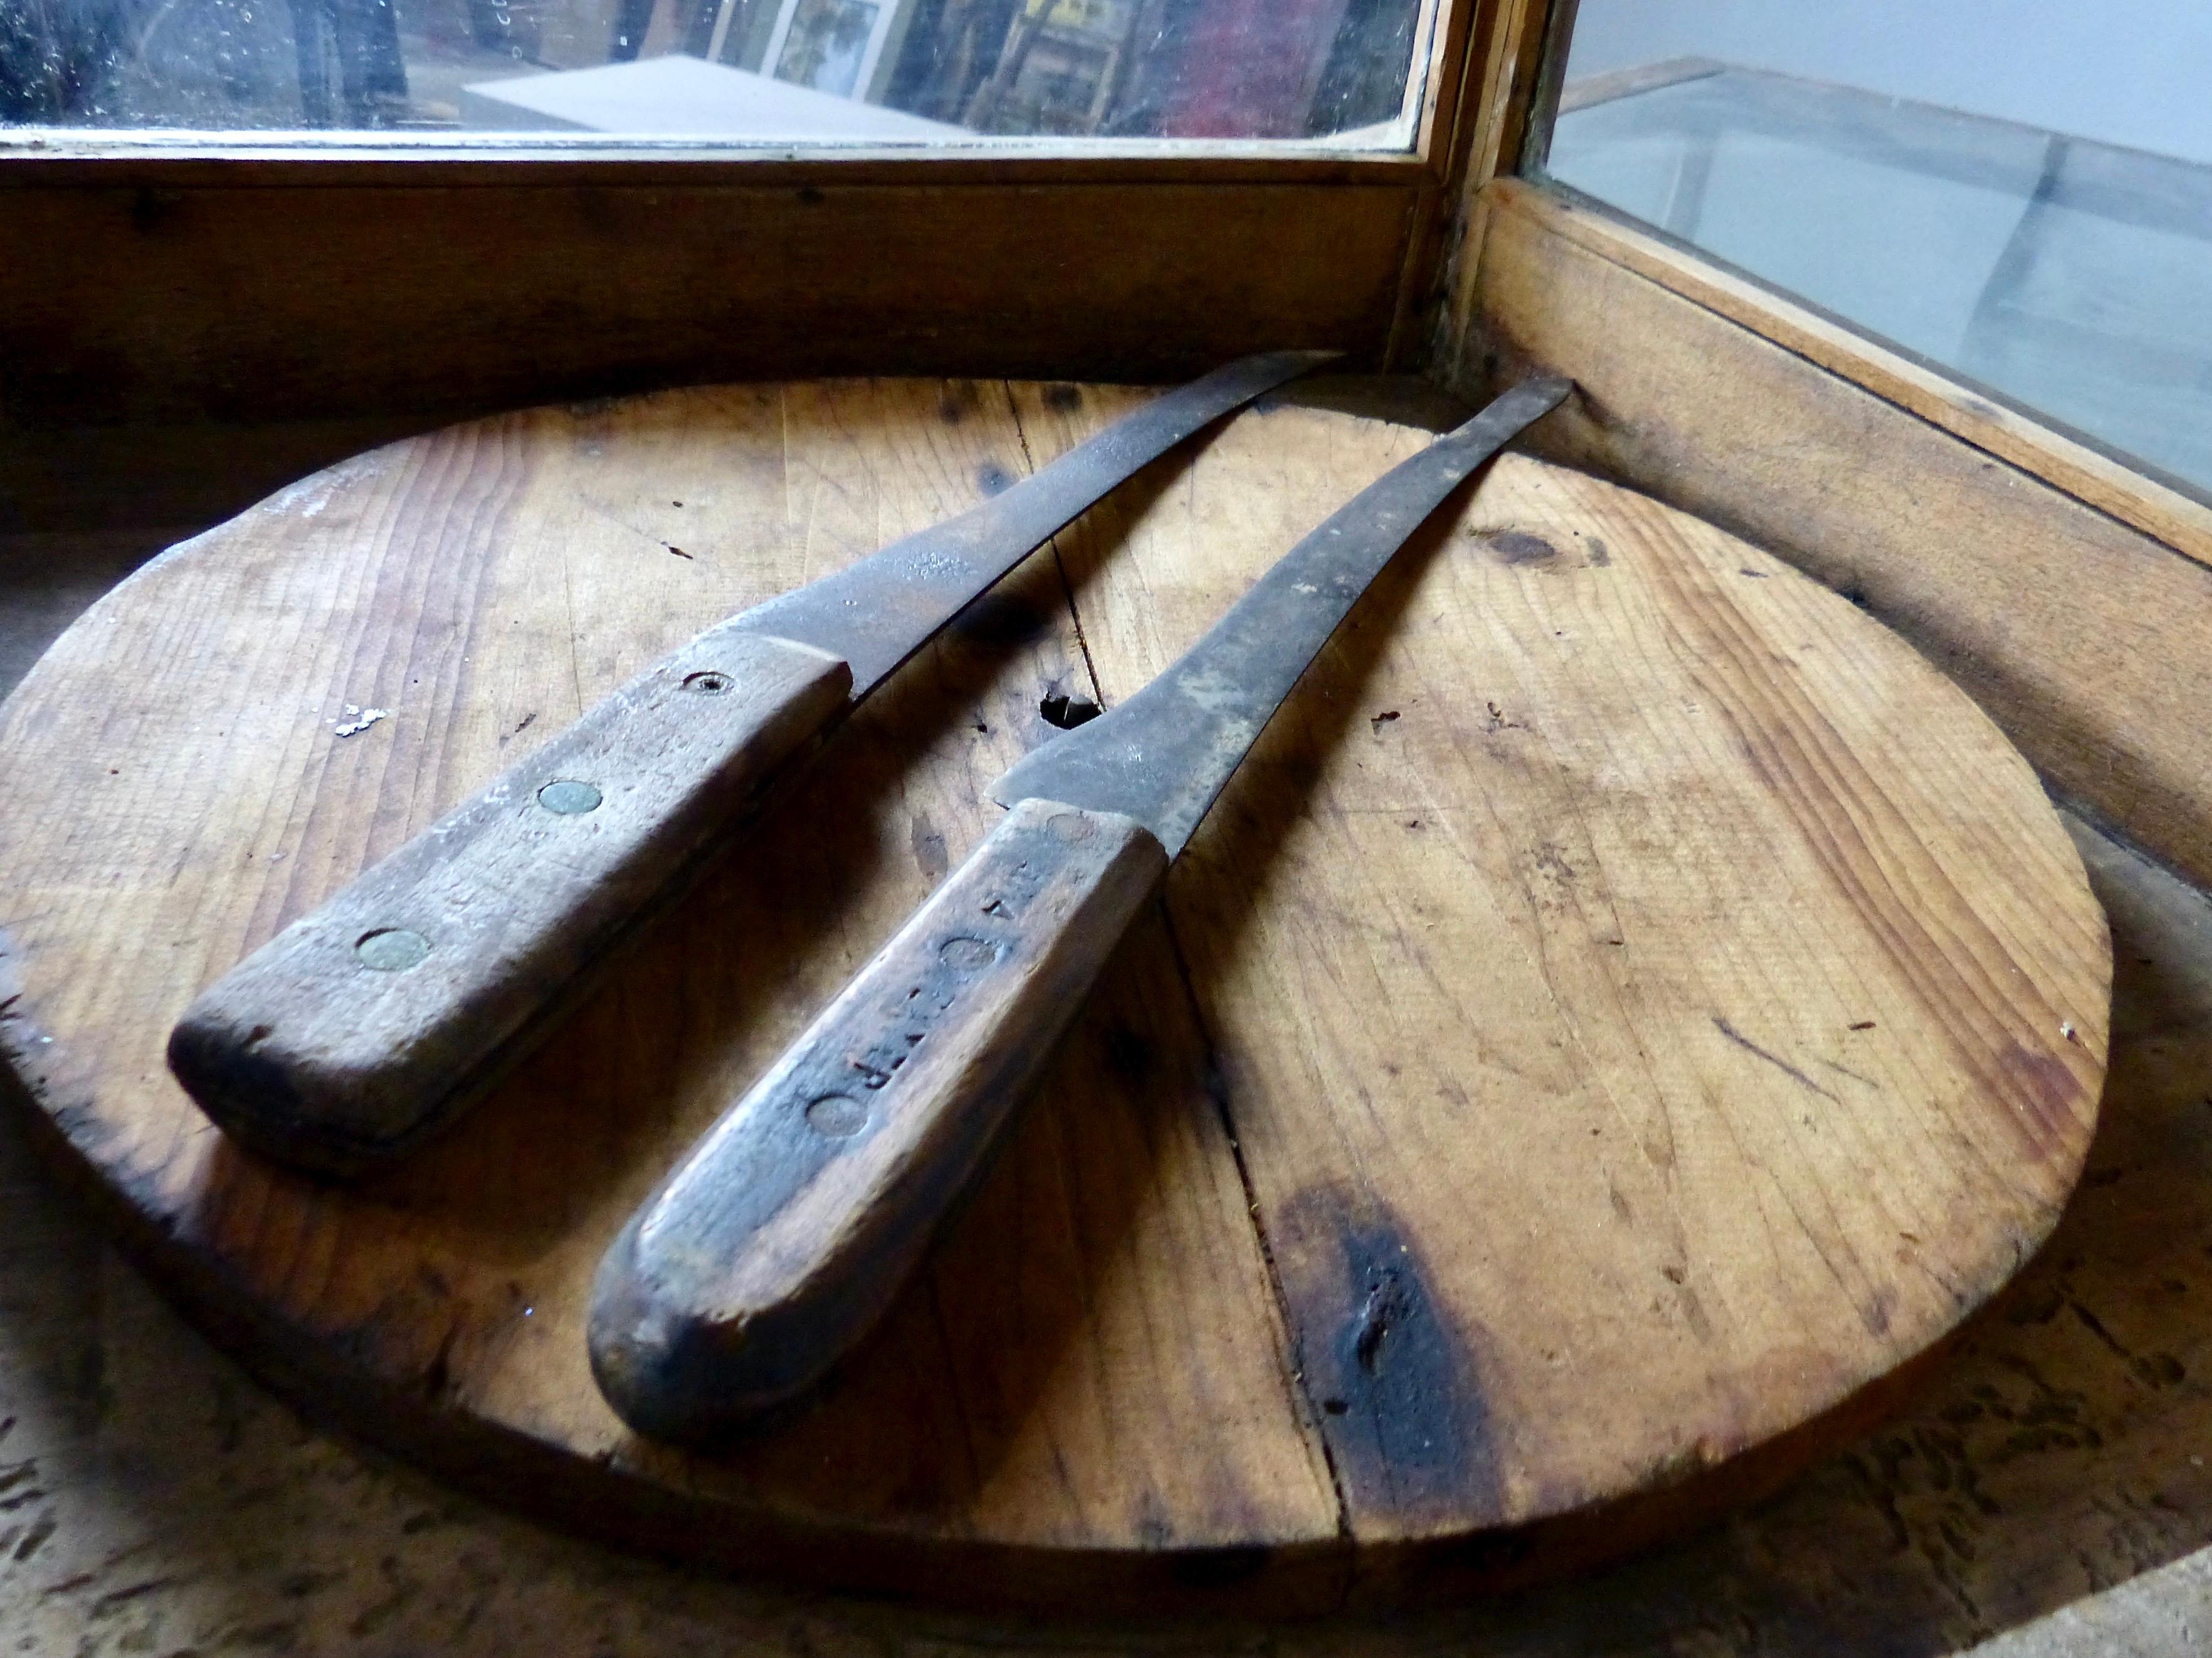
(368, 1024)
(786, 1232)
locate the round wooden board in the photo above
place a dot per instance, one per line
(1628, 1005)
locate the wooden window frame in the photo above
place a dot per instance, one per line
(2069, 593)
(277, 283)
(1519, 149)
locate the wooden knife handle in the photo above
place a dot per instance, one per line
(368, 1024)
(784, 1234)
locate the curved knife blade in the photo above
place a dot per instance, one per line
(1162, 756)
(877, 612)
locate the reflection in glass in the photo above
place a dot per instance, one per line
(826, 43)
(2068, 271)
(869, 71)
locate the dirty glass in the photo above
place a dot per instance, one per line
(2018, 191)
(1348, 74)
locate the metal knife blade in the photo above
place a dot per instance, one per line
(1164, 755)
(879, 611)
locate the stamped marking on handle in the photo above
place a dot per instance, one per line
(787, 1230)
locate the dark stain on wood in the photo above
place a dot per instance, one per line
(958, 399)
(994, 479)
(1518, 547)
(1400, 1399)
(930, 855)
(1129, 1056)
(2048, 1092)
(1063, 399)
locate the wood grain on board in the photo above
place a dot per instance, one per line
(1628, 1004)
(2081, 635)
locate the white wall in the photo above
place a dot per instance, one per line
(2133, 72)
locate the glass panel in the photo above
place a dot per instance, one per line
(2019, 191)
(1346, 74)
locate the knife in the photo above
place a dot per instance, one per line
(373, 1022)
(783, 1235)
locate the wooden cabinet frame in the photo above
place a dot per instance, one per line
(288, 283)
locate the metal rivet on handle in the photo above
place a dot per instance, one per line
(836, 1116)
(709, 683)
(965, 954)
(568, 797)
(391, 949)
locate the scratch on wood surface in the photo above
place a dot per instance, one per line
(1774, 1060)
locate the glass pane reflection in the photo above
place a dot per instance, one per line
(2068, 270)
(1348, 73)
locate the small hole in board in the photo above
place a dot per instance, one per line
(1058, 708)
